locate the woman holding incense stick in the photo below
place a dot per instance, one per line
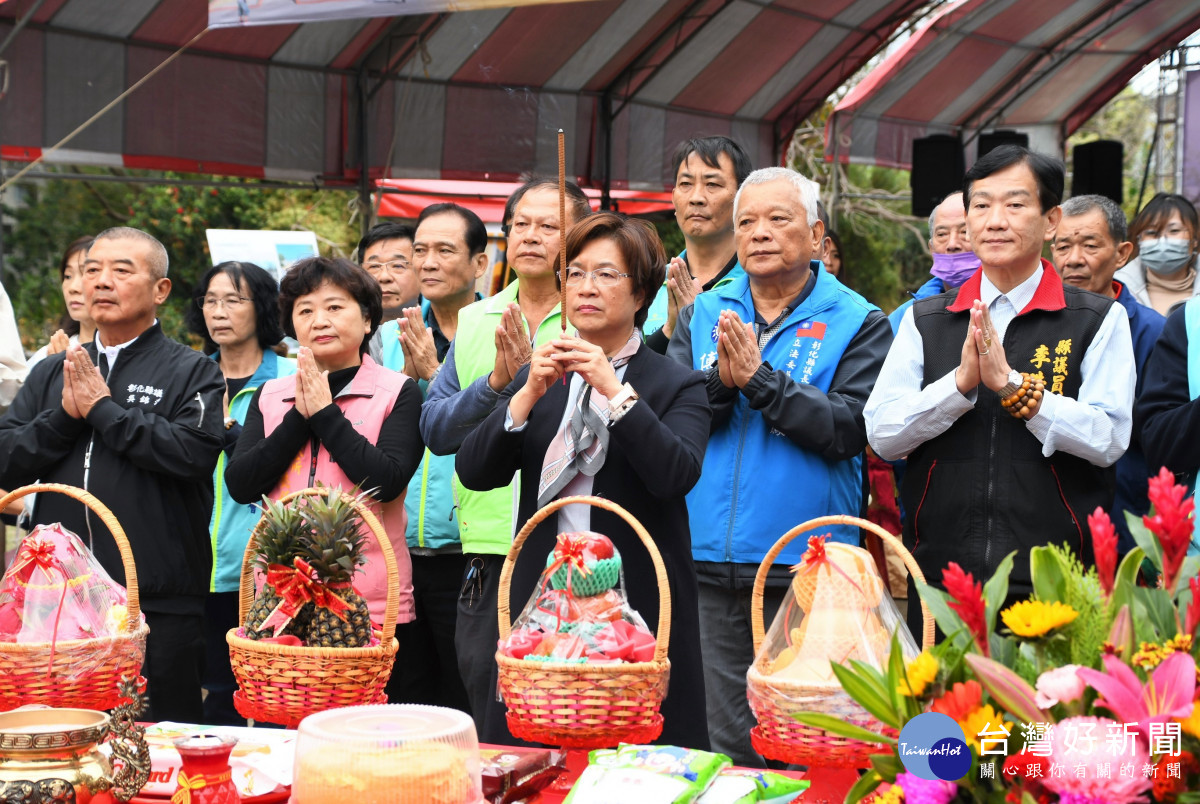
(628, 425)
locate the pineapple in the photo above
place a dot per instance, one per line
(278, 543)
(333, 546)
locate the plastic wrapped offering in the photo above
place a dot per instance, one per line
(579, 612)
(57, 591)
(836, 609)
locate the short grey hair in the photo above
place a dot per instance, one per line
(935, 209)
(807, 189)
(1114, 216)
(158, 252)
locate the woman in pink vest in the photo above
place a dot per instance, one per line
(342, 420)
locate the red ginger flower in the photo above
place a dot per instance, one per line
(966, 599)
(1104, 544)
(962, 699)
(1171, 523)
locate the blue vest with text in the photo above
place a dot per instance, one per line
(756, 484)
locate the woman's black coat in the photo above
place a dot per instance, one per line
(654, 456)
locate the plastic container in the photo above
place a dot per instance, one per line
(387, 754)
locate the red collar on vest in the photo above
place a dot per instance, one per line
(1048, 296)
(1118, 289)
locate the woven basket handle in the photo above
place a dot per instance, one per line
(663, 640)
(246, 593)
(133, 603)
(760, 580)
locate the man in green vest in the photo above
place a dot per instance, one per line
(495, 338)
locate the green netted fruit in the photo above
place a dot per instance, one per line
(602, 575)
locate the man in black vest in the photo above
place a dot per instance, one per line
(984, 478)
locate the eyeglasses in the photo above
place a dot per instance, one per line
(393, 267)
(231, 303)
(603, 277)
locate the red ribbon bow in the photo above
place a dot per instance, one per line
(40, 554)
(813, 559)
(296, 587)
(571, 552)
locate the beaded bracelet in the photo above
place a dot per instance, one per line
(1024, 402)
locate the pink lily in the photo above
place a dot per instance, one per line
(1168, 694)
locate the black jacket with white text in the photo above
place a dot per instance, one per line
(148, 453)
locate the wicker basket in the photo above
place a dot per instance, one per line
(285, 683)
(585, 705)
(780, 736)
(97, 665)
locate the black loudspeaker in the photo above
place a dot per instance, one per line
(1098, 169)
(937, 171)
(994, 139)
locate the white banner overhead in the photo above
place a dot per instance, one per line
(234, 13)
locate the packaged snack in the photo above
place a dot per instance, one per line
(730, 790)
(744, 785)
(579, 612)
(647, 774)
(56, 591)
(502, 770)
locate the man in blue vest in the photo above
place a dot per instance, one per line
(985, 479)
(790, 355)
(708, 172)
(1089, 247)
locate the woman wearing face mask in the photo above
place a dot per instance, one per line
(1166, 233)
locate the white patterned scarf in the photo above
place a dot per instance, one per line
(582, 439)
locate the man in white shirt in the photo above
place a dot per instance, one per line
(984, 478)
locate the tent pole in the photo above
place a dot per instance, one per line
(364, 158)
(1, 227)
(606, 132)
(20, 24)
(835, 188)
(1146, 168)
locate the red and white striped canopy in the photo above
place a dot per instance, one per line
(405, 198)
(473, 95)
(1039, 66)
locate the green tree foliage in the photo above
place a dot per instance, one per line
(54, 213)
(884, 250)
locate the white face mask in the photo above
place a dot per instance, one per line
(1165, 255)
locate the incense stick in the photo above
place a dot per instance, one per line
(562, 235)
(562, 229)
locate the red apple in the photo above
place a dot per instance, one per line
(597, 545)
